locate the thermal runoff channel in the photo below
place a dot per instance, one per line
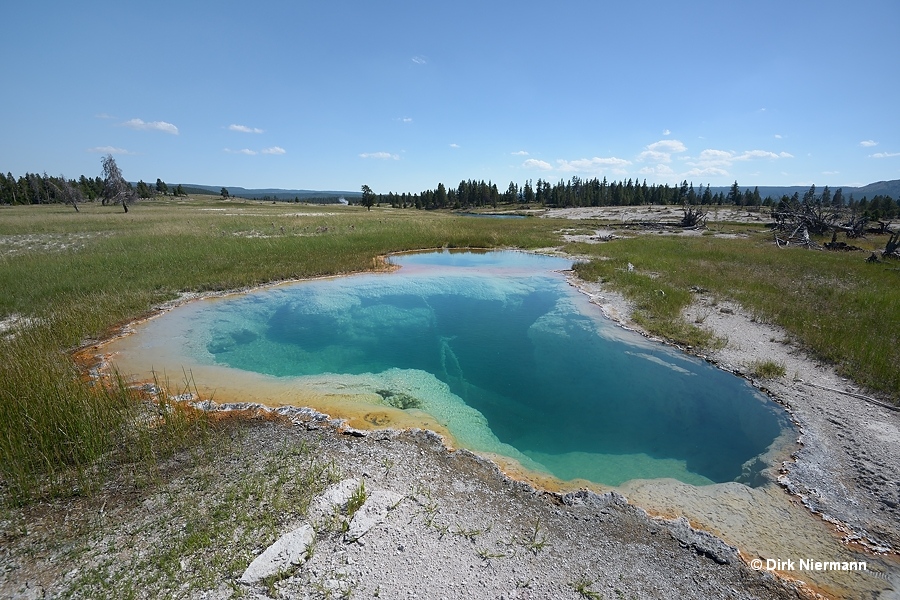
(502, 351)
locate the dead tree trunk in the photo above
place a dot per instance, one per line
(694, 218)
(892, 247)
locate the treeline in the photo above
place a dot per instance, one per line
(34, 188)
(878, 208)
(574, 192)
(577, 192)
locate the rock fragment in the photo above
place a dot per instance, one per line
(288, 551)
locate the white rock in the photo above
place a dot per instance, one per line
(371, 513)
(289, 550)
(335, 496)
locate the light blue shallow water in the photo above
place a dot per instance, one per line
(509, 357)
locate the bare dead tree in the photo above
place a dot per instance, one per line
(694, 217)
(799, 236)
(69, 193)
(813, 217)
(795, 222)
(884, 227)
(892, 247)
(855, 226)
(115, 189)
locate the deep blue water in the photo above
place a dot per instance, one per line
(559, 387)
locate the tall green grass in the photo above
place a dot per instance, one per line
(61, 429)
(53, 423)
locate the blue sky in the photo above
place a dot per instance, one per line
(403, 95)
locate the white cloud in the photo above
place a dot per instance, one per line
(380, 155)
(274, 150)
(778, 136)
(715, 155)
(830, 172)
(661, 151)
(151, 126)
(750, 154)
(244, 129)
(419, 60)
(658, 170)
(706, 172)
(654, 156)
(406, 119)
(593, 165)
(884, 155)
(109, 150)
(520, 153)
(673, 146)
(715, 163)
(246, 151)
(533, 163)
(106, 116)
(454, 145)
(666, 132)
(868, 143)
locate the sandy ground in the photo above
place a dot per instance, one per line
(623, 215)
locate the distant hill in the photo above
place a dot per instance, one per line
(884, 188)
(272, 193)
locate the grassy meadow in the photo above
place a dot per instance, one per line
(68, 277)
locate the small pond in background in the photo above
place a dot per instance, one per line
(504, 353)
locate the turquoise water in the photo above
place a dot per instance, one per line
(513, 360)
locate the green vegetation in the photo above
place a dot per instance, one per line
(844, 310)
(536, 538)
(68, 277)
(222, 521)
(582, 587)
(767, 369)
(357, 499)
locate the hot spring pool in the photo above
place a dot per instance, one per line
(500, 350)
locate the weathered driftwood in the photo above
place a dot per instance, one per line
(835, 245)
(883, 228)
(694, 217)
(892, 247)
(798, 237)
(816, 219)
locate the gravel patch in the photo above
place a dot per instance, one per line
(461, 529)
